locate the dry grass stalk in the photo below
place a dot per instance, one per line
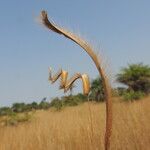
(67, 84)
(88, 48)
(70, 128)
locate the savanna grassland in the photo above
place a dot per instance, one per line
(82, 128)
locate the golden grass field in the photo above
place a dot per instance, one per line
(82, 128)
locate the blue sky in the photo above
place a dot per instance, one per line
(119, 30)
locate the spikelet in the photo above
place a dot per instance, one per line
(86, 84)
(64, 75)
(70, 82)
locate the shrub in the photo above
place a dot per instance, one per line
(5, 111)
(121, 90)
(19, 107)
(131, 95)
(16, 118)
(34, 105)
(81, 97)
(71, 100)
(56, 103)
(44, 105)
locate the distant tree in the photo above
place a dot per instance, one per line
(56, 103)
(19, 107)
(44, 105)
(44, 99)
(97, 90)
(81, 96)
(136, 77)
(34, 105)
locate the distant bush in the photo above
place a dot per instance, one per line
(5, 111)
(34, 105)
(19, 107)
(56, 103)
(22, 107)
(44, 105)
(131, 95)
(17, 118)
(121, 90)
(71, 100)
(81, 97)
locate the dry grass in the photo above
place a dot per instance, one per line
(72, 129)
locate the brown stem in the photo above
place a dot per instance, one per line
(88, 48)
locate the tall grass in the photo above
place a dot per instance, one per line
(70, 128)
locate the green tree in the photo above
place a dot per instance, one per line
(34, 105)
(44, 104)
(97, 90)
(19, 107)
(136, 77)
(56, 103)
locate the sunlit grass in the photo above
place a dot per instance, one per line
(75, 128)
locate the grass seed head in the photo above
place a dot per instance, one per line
(86, 84)
(64, 76)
